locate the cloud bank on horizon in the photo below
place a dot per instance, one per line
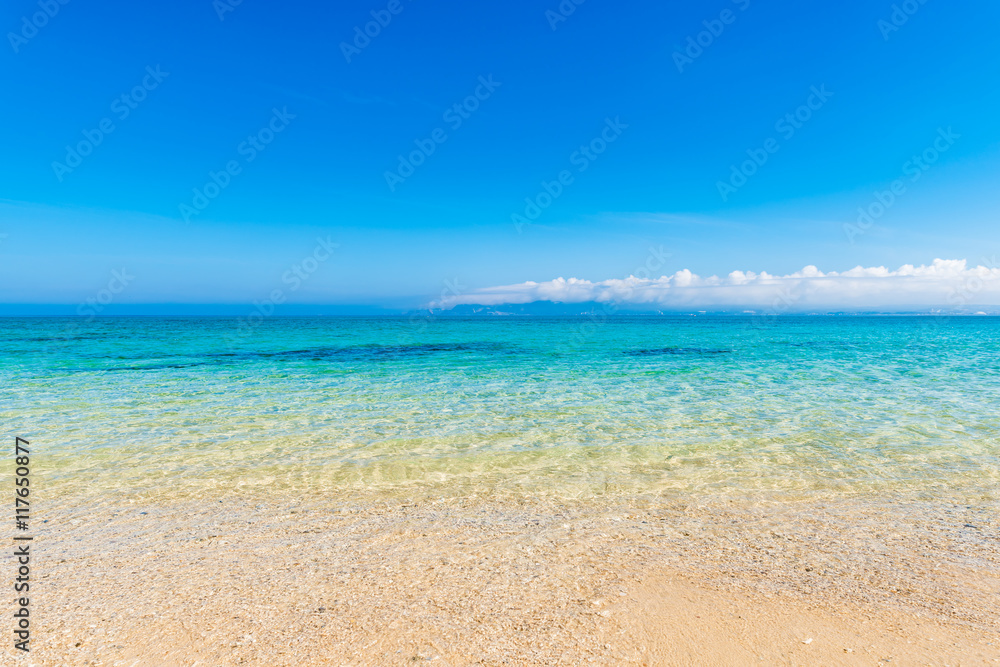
(945, 284)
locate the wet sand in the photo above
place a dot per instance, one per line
(266, 581)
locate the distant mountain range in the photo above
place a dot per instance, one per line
(599, 309)
(591, 309)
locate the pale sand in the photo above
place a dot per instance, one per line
(499, 582)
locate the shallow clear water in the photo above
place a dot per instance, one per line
(797, 406)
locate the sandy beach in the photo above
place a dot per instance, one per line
(490, 581)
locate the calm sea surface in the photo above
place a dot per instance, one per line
(792, 407)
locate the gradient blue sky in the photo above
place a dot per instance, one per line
(323, 175)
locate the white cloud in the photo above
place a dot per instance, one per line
(946, 283)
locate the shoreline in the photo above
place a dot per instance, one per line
(280, 581)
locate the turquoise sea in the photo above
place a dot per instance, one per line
(562, 407)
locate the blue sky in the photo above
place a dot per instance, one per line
(264, 73)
